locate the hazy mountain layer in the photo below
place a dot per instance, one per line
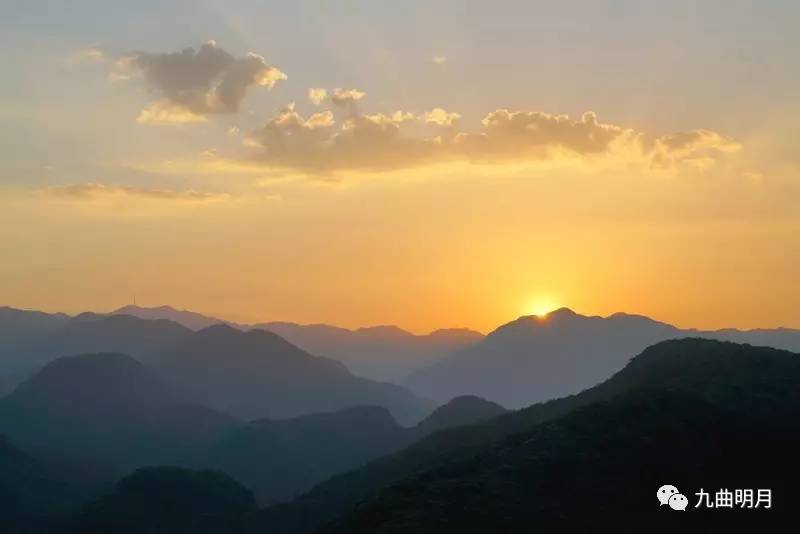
(385, 353)
(533, 359)
(108, 408)
(280, 459)
(258, 374)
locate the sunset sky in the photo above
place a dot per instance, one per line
(421, 163)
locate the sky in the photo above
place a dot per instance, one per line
(421, 163)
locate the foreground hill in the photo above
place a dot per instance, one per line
(533, 359)
(108, 407)
(598, 469)
(258, 374)
(169, 500)
(757, 383)
(33, 489)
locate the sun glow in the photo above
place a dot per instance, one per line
(541, 307)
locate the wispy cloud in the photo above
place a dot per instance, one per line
(96, 191)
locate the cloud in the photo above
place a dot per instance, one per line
(346, 97)
(441, 117)
(531, 133)
(164, 112)
(95, 191)
(317, 94)
(698, 148)
(208, 80)
(319, 144)
(316, 144)
(439, 60)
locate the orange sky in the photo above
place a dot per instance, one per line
(497, 164)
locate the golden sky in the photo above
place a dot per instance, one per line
(418, 168)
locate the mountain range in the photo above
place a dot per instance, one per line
(692, 412)
(256, 374)
(588, 462)
(115, 414)
(250, 374)
(385, 353)
(533, 359)
(527, 360)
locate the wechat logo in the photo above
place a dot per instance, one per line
(670, 496)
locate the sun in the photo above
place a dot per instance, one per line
(541, 307)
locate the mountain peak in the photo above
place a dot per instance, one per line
(462, 410)
(563, 312)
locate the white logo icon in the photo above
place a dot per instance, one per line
(678, 502)
(669, 495)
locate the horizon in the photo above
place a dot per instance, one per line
(541, 316)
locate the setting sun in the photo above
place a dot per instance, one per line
(541, 307)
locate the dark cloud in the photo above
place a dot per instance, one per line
(207, 80)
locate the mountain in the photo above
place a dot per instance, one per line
(460, 411)
(110, 408)
(36, 488)
(16, 323)
(279, 460)
(533, 359)
(93, 333)
(750, 382)
(189, 319)
(385, 353)
(17, 328)
(598, 470)
(9, 382)
(258, 374)
(169, 499)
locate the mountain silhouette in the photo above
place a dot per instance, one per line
(597, 470)
(110, 408)
(258, 374)
(459, 411)
(169, 499)
(36, 488)
(189, 319)
(17, 329)
(533, 359)
(754, 383)
(384, 353)
(90, 333)
(281, 459)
